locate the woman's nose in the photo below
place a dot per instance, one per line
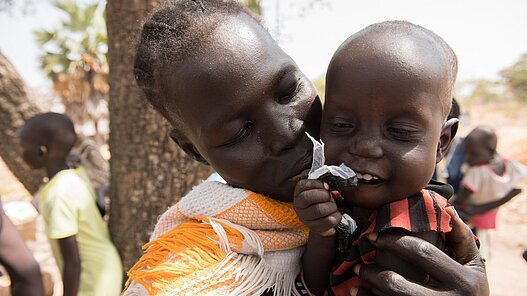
(281, 133)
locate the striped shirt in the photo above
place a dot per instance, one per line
(421, 212)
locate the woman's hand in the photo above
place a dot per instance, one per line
(463, 276)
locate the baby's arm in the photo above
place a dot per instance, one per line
(317, 210)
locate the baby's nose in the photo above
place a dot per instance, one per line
(367, 146)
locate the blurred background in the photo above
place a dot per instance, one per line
(54, 56)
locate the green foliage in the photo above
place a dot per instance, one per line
(253, 5)
(83, 31)
(320, 85)
(485, 91)
(516, 78)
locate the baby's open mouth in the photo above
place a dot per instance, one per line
(368, 179)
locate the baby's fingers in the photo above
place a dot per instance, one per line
(323, 226)
(309, 198)
(308, 184)
(318, 211)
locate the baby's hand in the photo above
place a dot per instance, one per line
(315, 207)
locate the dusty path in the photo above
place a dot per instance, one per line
(506, 268)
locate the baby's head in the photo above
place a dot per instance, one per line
(480, 146)
(388, 94)
(47, 138)
(234, 98)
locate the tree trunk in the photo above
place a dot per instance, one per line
(15, 108)
(148, 172)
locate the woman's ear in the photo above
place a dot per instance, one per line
(448, 132)
(187, 146)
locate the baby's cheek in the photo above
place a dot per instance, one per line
(334, 152)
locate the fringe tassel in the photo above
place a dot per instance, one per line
(196, 249)
(253, 275)
(200, 246)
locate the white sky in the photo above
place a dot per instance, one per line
(487, 35)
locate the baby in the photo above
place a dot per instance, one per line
(389, 91)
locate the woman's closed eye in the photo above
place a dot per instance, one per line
(290, 93)
(241, 135)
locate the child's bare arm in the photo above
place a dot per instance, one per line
(317, 210)
(17, 259)
(463, 202)
(72, 265)
(479, 209)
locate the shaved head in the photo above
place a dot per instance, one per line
(483, 135)
(404, 51)
(53, 130)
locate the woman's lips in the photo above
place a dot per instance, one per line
(300, 176)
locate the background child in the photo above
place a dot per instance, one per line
(389, 91)
(78, 236)
(490, 181)
(239, 103)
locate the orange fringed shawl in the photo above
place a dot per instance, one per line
(220, 240)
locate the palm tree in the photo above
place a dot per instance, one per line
(74, 58)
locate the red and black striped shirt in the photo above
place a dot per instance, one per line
(421, 212)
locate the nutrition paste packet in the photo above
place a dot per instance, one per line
(337, 177)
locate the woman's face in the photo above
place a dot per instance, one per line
(245, 107)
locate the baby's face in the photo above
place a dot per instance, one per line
(386, 126)
(245, 109)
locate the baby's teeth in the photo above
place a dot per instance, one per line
(359, 175)
(367, 177)
(375, 177)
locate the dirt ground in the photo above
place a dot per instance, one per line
(506, 268)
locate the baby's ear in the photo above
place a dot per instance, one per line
(187, 146)
(448, 132)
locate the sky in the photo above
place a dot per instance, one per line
(487, 35)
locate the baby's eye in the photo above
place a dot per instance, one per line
(404, 134)
(290, 93)
(241, 135)
(341, 127)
